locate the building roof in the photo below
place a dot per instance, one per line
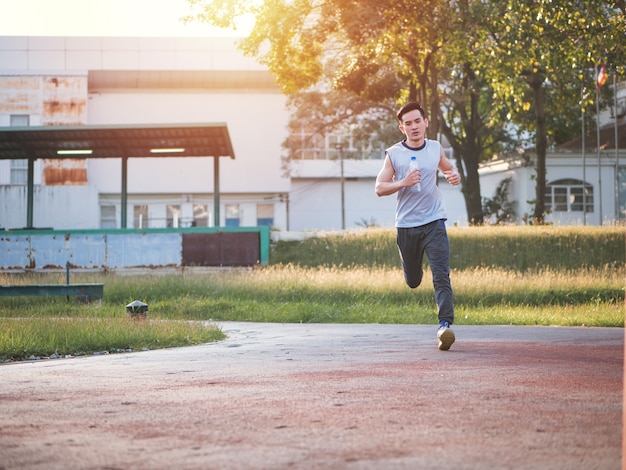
(162, 140)
(607, 138)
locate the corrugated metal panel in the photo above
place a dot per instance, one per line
(149, 250)
(156, 248)
(81, 251)
(15, 252)
(221, 249)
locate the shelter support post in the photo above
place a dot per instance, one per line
(124, 192)
(31, 191)
(216, 191)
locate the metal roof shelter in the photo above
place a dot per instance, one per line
(124, 142)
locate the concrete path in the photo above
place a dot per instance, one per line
(326, 397)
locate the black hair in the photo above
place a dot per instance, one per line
(413, 105)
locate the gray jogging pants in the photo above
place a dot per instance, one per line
(431, 239)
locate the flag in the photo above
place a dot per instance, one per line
(601, 75)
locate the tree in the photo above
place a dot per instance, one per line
(357, 59)
(473, 126)
(475, 65)
(538, 49)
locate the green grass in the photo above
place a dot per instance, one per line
(364, 284)
(22, 338)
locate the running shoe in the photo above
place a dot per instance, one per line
(445, 335)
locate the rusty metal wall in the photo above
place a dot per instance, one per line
(64, 104)
(67, 172)
(64, 101)
(50, 101)
(221, 249)
(21, 95)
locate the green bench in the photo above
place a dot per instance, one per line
(83, 292)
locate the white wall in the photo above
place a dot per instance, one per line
(56, 207)
(454, 203)
(316, 205)
(20, 54)
(256, 124)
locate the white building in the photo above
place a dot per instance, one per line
(55, 81)
(581, 190)
(115, 81)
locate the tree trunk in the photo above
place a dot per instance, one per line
(472, 151)
(467, 152)
(471, 185)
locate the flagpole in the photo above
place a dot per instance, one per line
(598, 69)
(582, 100)
(617, 208)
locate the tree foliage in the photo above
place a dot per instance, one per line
(543, 50)
(475, 66)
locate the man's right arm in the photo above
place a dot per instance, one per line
(386, 185)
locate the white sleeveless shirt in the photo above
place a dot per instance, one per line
(414, 209)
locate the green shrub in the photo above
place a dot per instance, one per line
(517, 248)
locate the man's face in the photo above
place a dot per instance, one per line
(414, 126)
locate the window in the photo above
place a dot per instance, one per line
(200, 215)
(172, 217)
(19, 120)
(140, 217)
(19, 171)
(265, 215)
(569, 195)
(19, 168)
(307, 146)
(107, 217)
(232, 215)
(355, 144)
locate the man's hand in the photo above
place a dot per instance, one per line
(412, 178)
(452, 177)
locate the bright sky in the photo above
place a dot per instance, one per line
(101, 18)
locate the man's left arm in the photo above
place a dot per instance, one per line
(448, 169)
